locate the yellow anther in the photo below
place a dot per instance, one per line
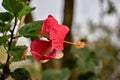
(79, 44)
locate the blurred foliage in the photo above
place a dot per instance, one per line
(53, 74)
(111, 7)
(9, 51)
(20, 74)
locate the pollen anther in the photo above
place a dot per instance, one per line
(79, 44)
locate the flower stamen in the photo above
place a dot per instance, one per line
(77, 44)
(69, 42)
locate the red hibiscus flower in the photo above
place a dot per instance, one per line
(45, 50)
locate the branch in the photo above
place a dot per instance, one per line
(19, 26)
(6, 69)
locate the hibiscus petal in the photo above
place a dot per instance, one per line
(57, 35)
(49, 23)
(42, 50)
(38, 57)
(59, 55)
(43, 61)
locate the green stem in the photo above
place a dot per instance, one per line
(6, 70)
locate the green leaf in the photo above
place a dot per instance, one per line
(4, 39)
(53, 74)
(20, 74)
(31, 29)
(6, 16)
(17, 52)
(4, 27)
(2, 24)
(14, 6)
(26, 9)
